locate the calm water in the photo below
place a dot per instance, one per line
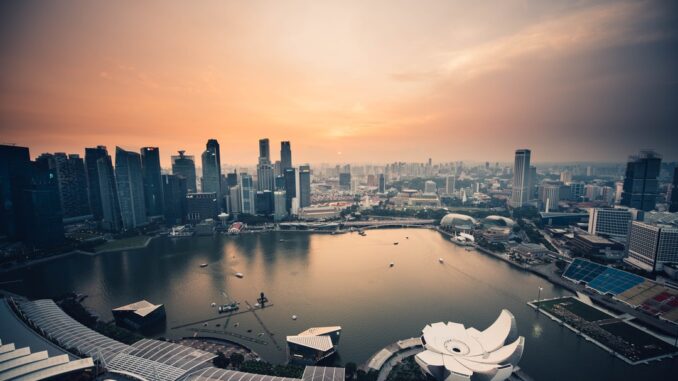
(334, 280)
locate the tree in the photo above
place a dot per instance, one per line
(237, 359)
(350, 370)
(221, 361)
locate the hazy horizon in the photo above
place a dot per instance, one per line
(344, 81)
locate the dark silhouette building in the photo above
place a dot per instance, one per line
(382, 183)
(150, 165)
(174, 194)
(41, 213)
(71, 180)
(304, 186)
(111, 218)
(290, 187)
(211, 169)
(673, 203)
(184, 166)
(130, 184)
(15, 169)
(640, 182)
(92, 155)
(285, 155)
(201, 206)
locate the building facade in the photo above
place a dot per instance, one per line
(184, 166)
(92, 155)
(153, 186)
(130, 186)
(304, 186)
(641, 186)
(610, 222)
(520, 192)
(201, 206)
(649, 246)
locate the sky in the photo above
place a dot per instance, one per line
(344, 81)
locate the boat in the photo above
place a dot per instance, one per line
(213, 304)
(294, 317)
(391, 264)
(395, 243)
(407, 237)
(440, 260)
(240, 275)
(281, 240)
(204, 265)
(229, 307)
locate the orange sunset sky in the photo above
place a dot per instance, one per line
(345, 81)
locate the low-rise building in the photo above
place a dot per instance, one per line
(593, 246)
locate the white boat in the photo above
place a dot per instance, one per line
(440, 260)
(204, 265)
(239, 275)
(294, 317)
(213, 304)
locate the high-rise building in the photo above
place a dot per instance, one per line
(520, 193)
(41, 212)
(673, 203)
(549, 196)
(184, 166)
(264, 151)
(129, 180)
(263, 203)
(290, 187)
(430, 187)
(650, 246)
(235, 200)
(566, 177)
(201, 206)
(15, 175)
(174, 196)
(382, 183)
(153, 185)
(92, 155)
(285, 155)
(450, 184)
(593, 192)
(304, 186)
(279, 205)
(211, 169)
(576, 191)
(265, 177)
(611, 222)
(72, 180)
(345, 180)
(108, 189)
(640, 182)
(247, 193)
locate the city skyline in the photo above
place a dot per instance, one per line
(345, 82)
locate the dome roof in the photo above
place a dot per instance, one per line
(499, 220)
(456, 219)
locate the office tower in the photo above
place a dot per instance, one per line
(279, 205)
(265, 177)
(304, 186)
(279, 182)
(649, 246)
(607, 194)
(130, 183)
(382, 183)
(592, 192)
(618, 189)
(263, 203)
(184, 166)
(174, 193)
(41, 212)
(549, 196)
(285, 155)
(235, 200)
(450, 184)
(371, 180)
(290, 186)
(232, 179)
(640, 182)
(201, 206)
(611, 222)
(345, 181)
(211, 169)
(92, 155)
(576, 191)
(277, 168)
(72, 182)
(247, 193)
(15, 175)
(566, 177)
(150, 165)
(430, 187)
(264, 151)
(108, 189)
(532, 184)
(520, 193)
(589, 171)
(673, 204)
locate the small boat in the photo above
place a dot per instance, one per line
(257, 305)
(440, 260)
(281, 240)
(294, 317)
(395, 243)
(229, 307)
(407, 237)
(204, 265)
(213, 304)
(391, 264)
(240, 275)
(236, 325)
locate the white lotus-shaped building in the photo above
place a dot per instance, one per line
(455, 353)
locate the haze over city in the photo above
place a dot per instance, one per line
(346, 81)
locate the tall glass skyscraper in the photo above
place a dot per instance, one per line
(211, 169)
(150, 164)
(285, 155)
(92, 155)
(265, 172)
(640, 182)
(72, 181)
(304, 186)
(184, 166)
(247, 193)
(108, 189)
(129, 180)
(520, 193)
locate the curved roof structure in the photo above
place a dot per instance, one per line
(454, 352)
(21, 364)
(63, 329)
(499, 220)
(454, 220)
(217, 374)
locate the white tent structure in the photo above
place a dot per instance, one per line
(456, 353)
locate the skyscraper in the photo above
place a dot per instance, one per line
(450, 185)
(211, 169)
(70, 172)
(150, 164)
(279, 205)
(92, 155)
(382, 183)
(129, 181)
(247, 193)
(345, 181)
(15, 175)
(174, 196)
(108, 189)
(304, 186)
(549, 196)
(42, 214)
(520, 193)
(285, 155)
(673, 204)
(290, 187)
(265, 173)
(640, 182)
(184, 166)
(649, 246)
